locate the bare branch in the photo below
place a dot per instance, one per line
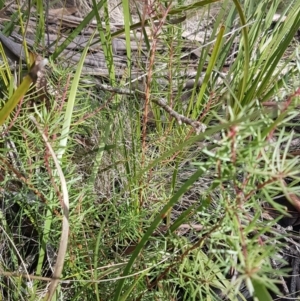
(198, 126)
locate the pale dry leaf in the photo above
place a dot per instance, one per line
(63, 11)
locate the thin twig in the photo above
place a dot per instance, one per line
(198, 126)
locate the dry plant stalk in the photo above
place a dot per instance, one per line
(65, 224)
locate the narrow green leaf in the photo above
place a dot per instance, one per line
(125, 4)
(261, 291)
(208, 73)
(243, 83)
(15, 99)
(71, 102)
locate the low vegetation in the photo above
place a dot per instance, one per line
(166, 171)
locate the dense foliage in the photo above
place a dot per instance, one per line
(167, 171)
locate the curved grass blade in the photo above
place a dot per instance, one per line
(71, 102)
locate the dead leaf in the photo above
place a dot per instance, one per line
(63, 11)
